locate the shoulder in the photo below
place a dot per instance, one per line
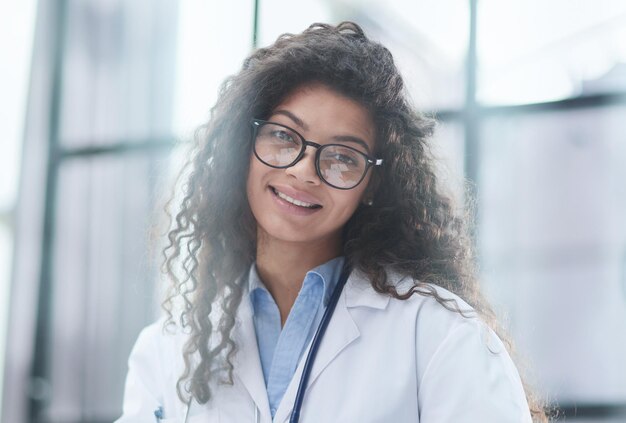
(422, 304)
(432, 322)
(457, 356)
(158, 347)
(159, 333)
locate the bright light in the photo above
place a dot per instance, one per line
(534, 51)
(17, 22)
(213, 40)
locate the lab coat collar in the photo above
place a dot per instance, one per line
(341, 332)
(359, 292)
(247, 363)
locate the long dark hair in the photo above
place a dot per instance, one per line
(412, 227)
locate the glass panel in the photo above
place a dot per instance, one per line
(118, 71)
(105, 279)
(16, 38)
(533, 51)
(553, 236)
(448, 147)
(428, 42)
(17, 24)
(141, 71)
(213, 40)
(6, 254)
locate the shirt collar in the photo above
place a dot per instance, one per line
(254, 280)
(328, 272)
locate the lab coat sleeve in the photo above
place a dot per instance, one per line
(471, 378)
(142, 393)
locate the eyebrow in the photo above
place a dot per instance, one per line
(340, 138)
(293, 117)
(350, 138)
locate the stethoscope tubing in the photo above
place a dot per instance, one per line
(317, 339)
(310, 359)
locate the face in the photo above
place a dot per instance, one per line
(293, 204)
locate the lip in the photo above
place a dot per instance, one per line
(291, 209)
(297, 195)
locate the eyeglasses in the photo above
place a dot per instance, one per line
(338, 165)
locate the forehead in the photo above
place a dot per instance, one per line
(325, 112)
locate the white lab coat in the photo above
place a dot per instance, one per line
(381, 360)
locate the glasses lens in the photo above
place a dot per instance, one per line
(342, 167)
(277, 145)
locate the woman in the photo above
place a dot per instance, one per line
(310, 197)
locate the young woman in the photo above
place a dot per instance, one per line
(318, 271)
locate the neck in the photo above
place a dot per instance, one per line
(282, 267)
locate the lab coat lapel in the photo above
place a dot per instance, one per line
(341, 331)
(247, 362)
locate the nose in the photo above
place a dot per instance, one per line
(304, 169)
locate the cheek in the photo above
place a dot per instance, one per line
(348, 202)
(253, 182)
(352, 201)
(255, 172)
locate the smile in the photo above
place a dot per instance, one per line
(293, 201)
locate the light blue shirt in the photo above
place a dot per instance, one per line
(281, 350)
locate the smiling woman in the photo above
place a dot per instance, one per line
(322, 114)
(299, 215)
(317, 269)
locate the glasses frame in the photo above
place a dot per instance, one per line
(369, 161)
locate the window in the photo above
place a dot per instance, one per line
(530, 97)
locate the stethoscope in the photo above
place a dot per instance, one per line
(317, 340)
(310, 358)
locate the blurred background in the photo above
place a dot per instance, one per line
(98, 99)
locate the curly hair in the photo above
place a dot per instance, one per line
(412, 227)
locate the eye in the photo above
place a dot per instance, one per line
(284, 136)
(345, 159)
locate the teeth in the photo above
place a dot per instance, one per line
(293, 200)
